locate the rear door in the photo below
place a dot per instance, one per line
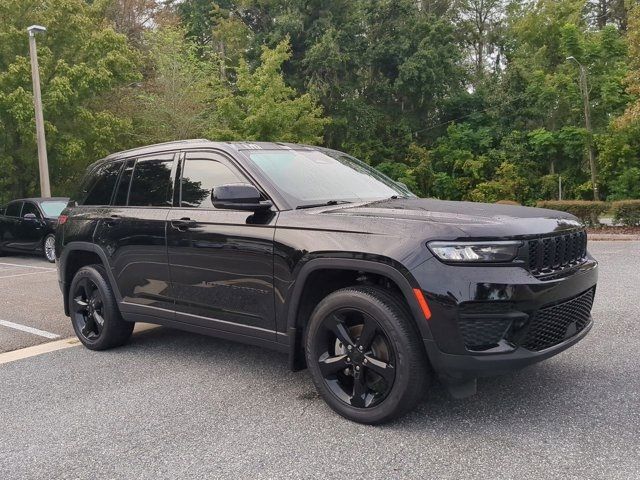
(9, 226)
(132, 232)
(221, 261)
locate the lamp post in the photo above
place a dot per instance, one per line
(587, 123)
(43, 164)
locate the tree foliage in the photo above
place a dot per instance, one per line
(462, 99)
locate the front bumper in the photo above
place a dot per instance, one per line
(506, 294)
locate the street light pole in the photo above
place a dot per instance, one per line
(45, 188)
(584, 89)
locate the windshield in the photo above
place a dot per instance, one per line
(309, 177)
(53, 208)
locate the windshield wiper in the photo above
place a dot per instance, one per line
(324, 204)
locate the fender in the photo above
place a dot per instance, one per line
(86, 247)
(294, 336)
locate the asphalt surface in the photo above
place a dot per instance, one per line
(177, 405)
(30, 296)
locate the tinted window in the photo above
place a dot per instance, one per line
(200, 175)
(13, 209)
(312, 176)
(101, 184)
(53, 208)
(151, 185)
(29, 207)
(122, 193)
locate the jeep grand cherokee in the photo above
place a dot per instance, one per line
(311, 252)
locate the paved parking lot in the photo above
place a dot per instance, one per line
(177, 405)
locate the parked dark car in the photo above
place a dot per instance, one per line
(311, 252)
(28, 225)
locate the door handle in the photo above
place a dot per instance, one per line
(112, 220)
(183, 224)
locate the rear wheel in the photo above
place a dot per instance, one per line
(365, 356)
(49, 247)
(94, 311)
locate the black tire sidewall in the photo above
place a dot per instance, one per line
(115, 328)
(397, 401)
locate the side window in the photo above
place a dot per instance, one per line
(122, 194)
(29, 207)
(151, 185)
(100, 186)
(13, 209)
(201, 173)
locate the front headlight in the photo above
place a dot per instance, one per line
(500, 251)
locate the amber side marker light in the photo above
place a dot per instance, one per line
(424, 306)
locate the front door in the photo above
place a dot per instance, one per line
(132, 232)
(31, 230)
(221, 261)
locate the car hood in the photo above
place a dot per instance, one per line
(474, 220)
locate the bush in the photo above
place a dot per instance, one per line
(585, 210)
(507, 202)
(626, 212)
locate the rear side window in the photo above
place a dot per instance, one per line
(101, 184)
(201, 173)
(122, 194)
(13, 209)
(152, 185)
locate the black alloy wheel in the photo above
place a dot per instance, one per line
(357, 361)
(95, 316)
(365, 354)
(88, 309)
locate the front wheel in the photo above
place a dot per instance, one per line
(95, 315)
(49, 246)
(365, 356)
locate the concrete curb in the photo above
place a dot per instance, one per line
(615, 237)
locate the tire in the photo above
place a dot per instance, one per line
(91, 293)
(48, 247)
(390, 374)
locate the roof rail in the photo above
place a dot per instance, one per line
(173, 142)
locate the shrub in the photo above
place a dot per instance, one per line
(626, 212)
(507, 202)
(585, 210)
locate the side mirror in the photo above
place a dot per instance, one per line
(30, 217)
(238, 196)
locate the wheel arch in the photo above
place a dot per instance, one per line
(295, 329)
(76, 255)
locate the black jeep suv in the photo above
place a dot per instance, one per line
(311, 252)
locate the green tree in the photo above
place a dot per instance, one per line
(80, 61)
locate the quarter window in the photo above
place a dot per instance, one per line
(102, 183)
(201, 174)
(151, 185)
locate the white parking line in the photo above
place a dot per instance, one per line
(48, 347)
(32, 330)
(21, 274)
(27, 266)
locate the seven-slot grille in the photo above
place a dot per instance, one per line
(552, 325)
(549, 255)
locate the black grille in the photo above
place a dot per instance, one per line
(549, 255)
(552, 325)
(483, 333)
